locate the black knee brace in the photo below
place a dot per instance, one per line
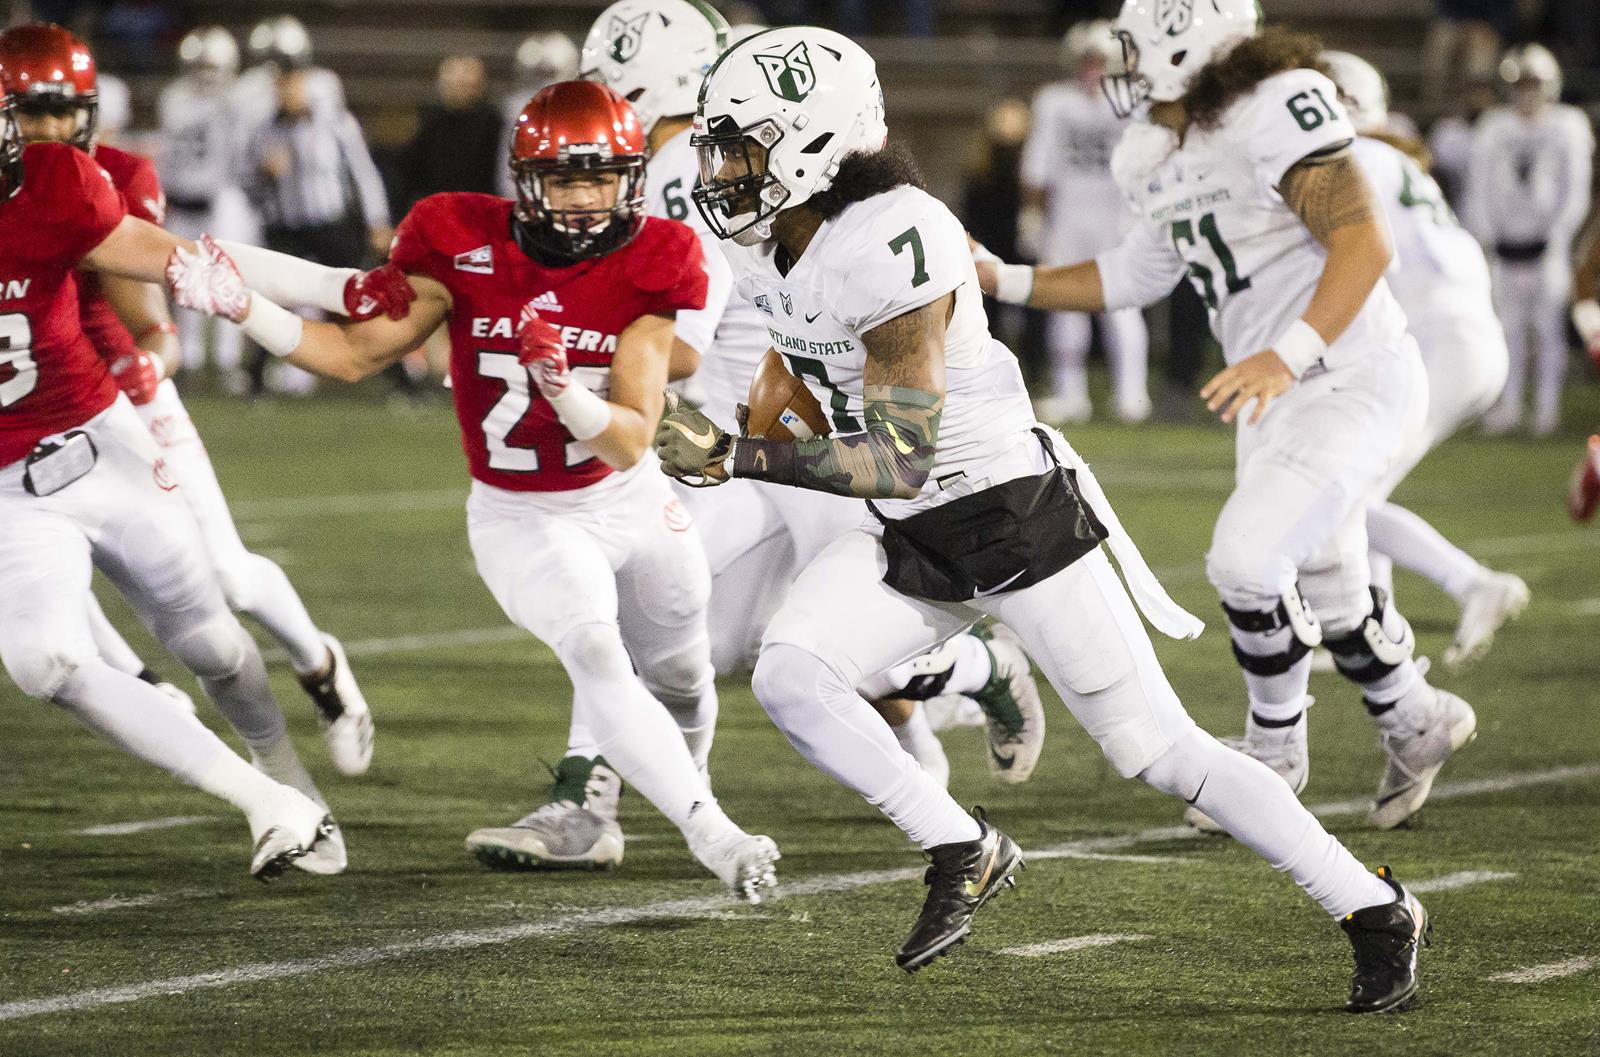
(1379, 644)
(1303, 634)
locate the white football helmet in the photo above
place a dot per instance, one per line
(777, 114)
(1533, 69)
(1096, 38)
(1362, 87)
(282, 40)
(545, 58)
(654, 53)
(1165, 42)
(209, 48)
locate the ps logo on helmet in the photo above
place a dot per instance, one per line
(1174, 16)
(790, 74)
(626, 35)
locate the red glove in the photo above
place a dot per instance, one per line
(543, 353)
(383, 291)
(137, 374)
(207, 281)
(1583, 496)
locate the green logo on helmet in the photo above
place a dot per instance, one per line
(790, 74)
(626, 36)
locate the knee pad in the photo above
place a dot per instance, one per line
(788, 678)
(40, 668)
(1377, 646)
(595, 649)
(216, 648)
(1181, 771)
(678, 681)
(1270, 642)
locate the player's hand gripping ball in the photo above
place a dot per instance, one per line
(543, 353)
(692, 448)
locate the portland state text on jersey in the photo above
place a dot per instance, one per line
(806, 347)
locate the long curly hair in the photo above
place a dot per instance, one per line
(1220, 82)
(865, 174)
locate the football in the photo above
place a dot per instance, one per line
(781, 407)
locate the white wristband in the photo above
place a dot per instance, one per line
(1015, 284)
(290, 280)
(585, 415)
(1586, 318)
(1300, 347)
(982, 254)
(271, 326)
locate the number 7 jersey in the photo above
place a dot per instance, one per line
(1211, 208)
(510, 433)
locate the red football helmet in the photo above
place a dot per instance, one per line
(578, 127)
(44, 67)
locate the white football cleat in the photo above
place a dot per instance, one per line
(1489, 603)
(286, 828)
(283, 765)
(1135, 409)
(346, 720)
(1072, 410)
(1283, 749)
(556, 836)
(1417, 751)
(1010, 703)
(744, 863)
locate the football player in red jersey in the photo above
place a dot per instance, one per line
(561, 308)
(130, 327)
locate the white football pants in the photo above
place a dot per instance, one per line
(1531, 300)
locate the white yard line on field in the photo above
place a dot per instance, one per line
(1535, 974)
(360, 957)
(1585, 607)
(123, 829)
(437, 640)
(121, 902)
(1465, 879)
(1072, 943)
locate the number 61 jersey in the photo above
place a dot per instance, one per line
(510, 433)
(877, 259)
(1211, 207)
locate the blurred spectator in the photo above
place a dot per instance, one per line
(275, 45)
(990, 202)
(541, 59)
(1463, 47)
(458, 140)
(116, 106)
(309, 174)
(918, 17)
(1450, 142)
(198, 158)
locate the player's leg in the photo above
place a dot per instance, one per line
(840, 624)
(47, 648)
(1067, 337)
(553, 576)
(258, 587)
(1550, 344)
(1128, 352)
(743, 538)
(1514, 300)
(116, 652)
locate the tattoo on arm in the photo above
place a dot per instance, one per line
(1328, 192)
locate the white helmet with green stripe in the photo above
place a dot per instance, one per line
(654, 53)
(777, 114)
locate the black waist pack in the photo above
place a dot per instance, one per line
(1003, 538)
(1520, 252)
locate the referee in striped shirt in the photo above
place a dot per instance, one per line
(309, 174)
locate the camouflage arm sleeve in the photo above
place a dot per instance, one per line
(891, 460)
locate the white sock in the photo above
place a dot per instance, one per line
(835, 728)
(1417, 546)
(1261, 812)
(694, 710)
(917, 738)
(580, 735)
(144, 722)
(632, 729)
(108, 641)
(973, 667)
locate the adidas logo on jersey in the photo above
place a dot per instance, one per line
(546, 302)
(480, 260)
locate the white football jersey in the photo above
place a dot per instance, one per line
(876, 260)
(1438, 267)
(1068, 156)
(199, 142)
(730, 334)
(1528, 177)
(1211, 206)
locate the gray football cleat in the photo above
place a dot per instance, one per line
(286, 828)
(1416, 752)
(560, 835)
(1011, 706)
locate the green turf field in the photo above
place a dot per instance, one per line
(158, 942)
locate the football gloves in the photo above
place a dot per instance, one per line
(692, 448)
(383, 291)
(543, 352)
(207, 281)
(137, 374)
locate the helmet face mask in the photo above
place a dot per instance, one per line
(10, 150)
(738, 194)
(82, 110)
(1125, 90)
(1165, 43)
(46, 71)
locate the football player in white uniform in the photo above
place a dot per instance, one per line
(541, 59)
(758, 537)
(976, 509)
(1441, 281)
(1066, 173)
(1243, 176)
(1526, 196)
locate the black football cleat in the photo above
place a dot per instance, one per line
(1387, 939)
(960, 879)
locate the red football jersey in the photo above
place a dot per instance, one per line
(50, 378)
(135, 179)
(510, 433)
